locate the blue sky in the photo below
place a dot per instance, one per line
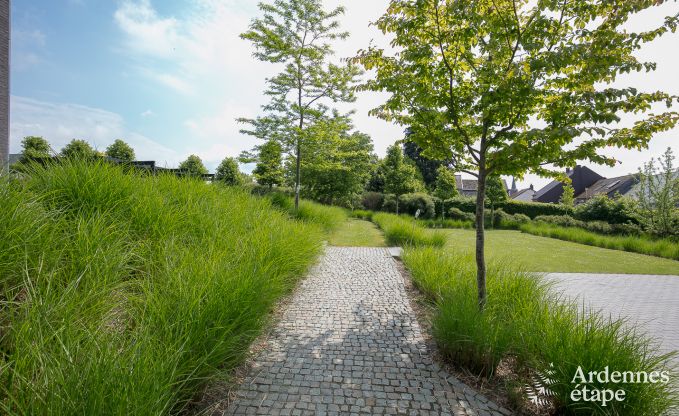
(171, 76)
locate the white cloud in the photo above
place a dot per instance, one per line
(60, 123)
(147, 113)
(147, 33)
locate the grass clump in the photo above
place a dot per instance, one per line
(362, 214)
(666, 248)
(125, 294)
(328, 217)
(546, 336)
(405, 231)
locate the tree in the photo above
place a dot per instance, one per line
(35, 147)
(496, 192)
(506, 87)
(269, 169)
(228, 172)
(446, 186)
(567, 198)
(295, 34)
(400, 177)
(337, 165)
(78, 149)
(658, 195)
(427, 167)
(193, 166)
(121, 151)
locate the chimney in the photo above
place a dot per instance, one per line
(531, 187)
(568, 170)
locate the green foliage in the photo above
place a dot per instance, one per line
(372, 201)
(531, 209)
(362, 214)
(326, 216)
(620, 210)
(78, 149)
(400, 177)
(429, 169)
(666, 248)
(193, 166)
(269, 169)
(496, 192)
(296, 35)
(411, 203)
(34, 147)
(402, 231)
(337, 163)
(567, 198)
(457, 214)
(228, 172)
(659, 196)
(127, 294)
(545, 335)
(121, 151)
(357, 233)
(446, 185)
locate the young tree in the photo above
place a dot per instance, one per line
(568, 196)
(228, 173)
(295, 34)
(400, 177)
(337, 165)
(446, 186)
(505, 87)
(121, 151)
(269, 169)
(34, 147)
(193, 166)
(658, 195)
(495, 192)
(78, 149)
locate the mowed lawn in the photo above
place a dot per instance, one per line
(542, 254)
(357, 233)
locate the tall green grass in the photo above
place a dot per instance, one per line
(125, 294)
(548, 337)
(662, 248)
(405, 231)
(328, 217)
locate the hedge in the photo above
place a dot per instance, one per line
(531, 209)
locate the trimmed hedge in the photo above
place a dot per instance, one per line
(531, 209)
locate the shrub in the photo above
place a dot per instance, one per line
(446, 223)
(602, 208)
(403, 231)
(411, 203)
(462, 203)
(131, 292)
(594, 226)
(389, 203)
(458, 214)
(547, 336)
(533, 209)
(373, 201)
(638, 244)
(362, 215)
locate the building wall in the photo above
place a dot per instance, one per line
(4, 79)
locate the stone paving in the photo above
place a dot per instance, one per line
(349, 343)
(649, 301)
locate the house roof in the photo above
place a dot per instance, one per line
(610, 187)
(581, 178)
(524, 194)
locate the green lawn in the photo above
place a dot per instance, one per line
(542, 254)
(357, 233)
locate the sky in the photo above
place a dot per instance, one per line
(170, 77)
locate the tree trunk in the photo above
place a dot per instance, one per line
(297, 174)
(480, 237)
(396, 204)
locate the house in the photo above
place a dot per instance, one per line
(581, 177)
(524, 195)
(609, 187)
(467, 187)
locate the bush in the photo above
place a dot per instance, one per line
(458, 214)
(533, 209)
(326, 216)
(401, 231)
(600, 227)
(410, 203)
(614, 211)
(547, 337)
(131, 293)
(373, 201)
(638, 244)
(446, 223)
(462, 203)
(389, 204)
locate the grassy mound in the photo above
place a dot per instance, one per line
(326, 216)
(125, 294)
(547, 337)
(405, 231)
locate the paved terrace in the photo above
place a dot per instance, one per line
(349, 343)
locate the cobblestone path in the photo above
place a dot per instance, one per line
(349, 344)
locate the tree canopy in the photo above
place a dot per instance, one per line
(505, 87)
(121, 151)
(193, 166)
(400, 177)
(35, 147)
(446, 185)
(78, 149)
(228, 173)
(269, 170)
